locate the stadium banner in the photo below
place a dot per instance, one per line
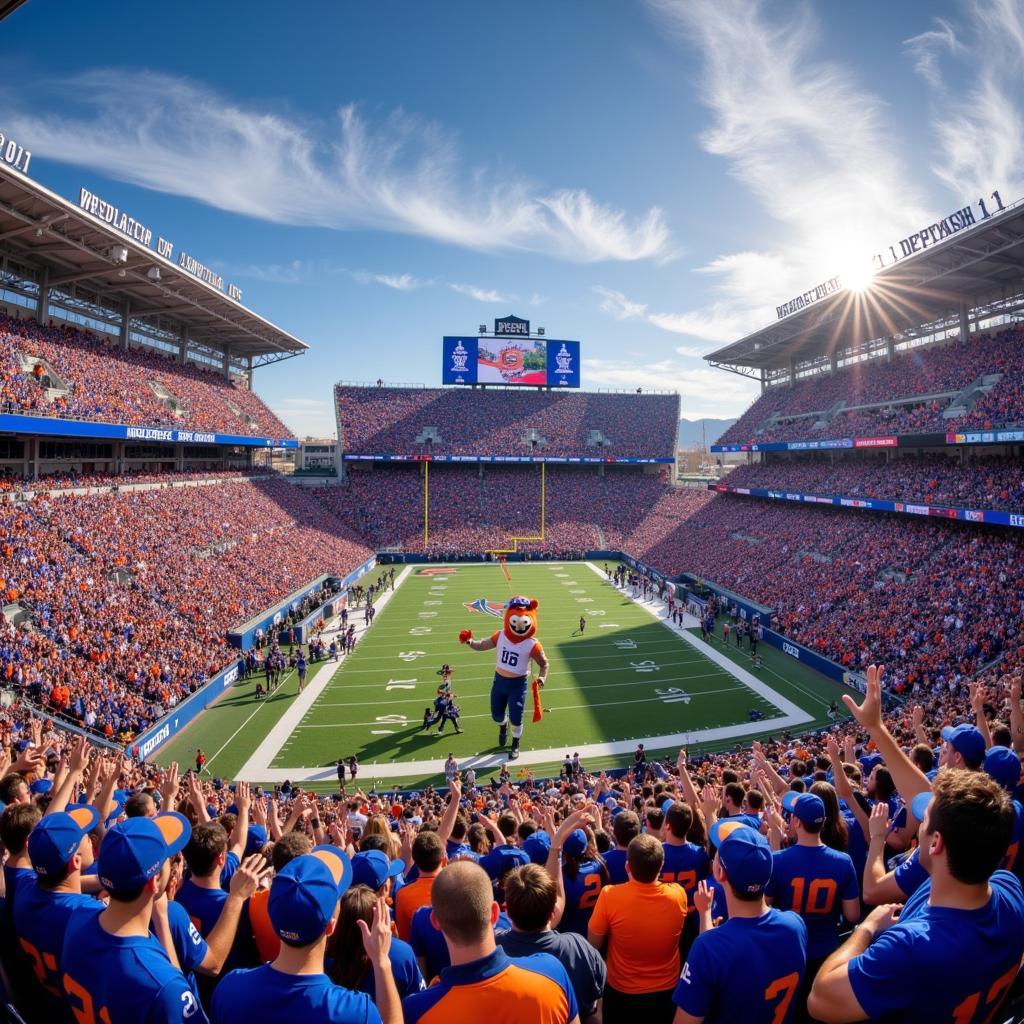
(798, 652)
(560, 460)
(14, 424)
(992, 517)
(510, 360)
(900, 441)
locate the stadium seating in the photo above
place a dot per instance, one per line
(984, 482)
(395, 421)
(94, 380)
(948, 370)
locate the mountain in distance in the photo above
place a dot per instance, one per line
(690, 431)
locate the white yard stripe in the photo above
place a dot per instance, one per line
(272, 743)
(259, 770)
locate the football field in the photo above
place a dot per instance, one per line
(629, 677)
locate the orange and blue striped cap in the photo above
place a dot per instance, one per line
(305, 893)
(744, 853)
(135, 850)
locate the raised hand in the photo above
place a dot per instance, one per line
(377, 935)
(169, 787)
(251, 872)
(869, 712)
(79, 755)
(878, 823)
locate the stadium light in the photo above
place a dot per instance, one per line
(483, 328)
(153, 273)
(540, 332)
(119, 254)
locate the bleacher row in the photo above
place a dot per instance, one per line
(386, 420)
(57, 370)
(980, 385)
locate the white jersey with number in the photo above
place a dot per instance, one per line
(512, 658)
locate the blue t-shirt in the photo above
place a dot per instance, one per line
(405, 969)
(123, 980)
(748, 969)
(581, 895)
(498, 990)
(41, 919)
(909, 874)
(202, 905)
(937, 964)
(615, 862)
(231, 863)
(813, 881)
(685, 865)
(266, 994)
(856, 846)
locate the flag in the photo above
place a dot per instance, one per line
(538, 710)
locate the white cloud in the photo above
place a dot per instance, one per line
(482, 294)
(806, 140)
(979, 124)
(400, 282)
(615, 304)
(536, 299)
(704, 391)
(403, 175)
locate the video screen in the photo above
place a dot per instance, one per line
(511, 361)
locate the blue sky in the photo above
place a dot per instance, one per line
(651, 178)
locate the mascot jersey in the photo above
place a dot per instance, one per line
(517, 642)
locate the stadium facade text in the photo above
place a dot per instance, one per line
(14, 155)
(833, 284)
(115, 217)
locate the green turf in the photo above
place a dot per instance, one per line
(600, 688)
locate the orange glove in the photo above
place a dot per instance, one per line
(538, 710)
(465, 636)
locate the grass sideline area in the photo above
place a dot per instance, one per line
(628, 677)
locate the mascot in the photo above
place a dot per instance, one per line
(516, 644)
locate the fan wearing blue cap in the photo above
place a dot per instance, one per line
(751, 967)
(59, 848)
(964, 746)
(583, 877)
(959, 938)
(1003, 765)
(817, 882)
(303, 909)
(686, 863)
(112, 965)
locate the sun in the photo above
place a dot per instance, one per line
(857, 275)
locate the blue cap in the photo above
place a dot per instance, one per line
(503, 859)
(116, 811)
(576, 843)
(610, 802)
(134, 851)
(810, 809)
(967, 741)
(666, 804)
(372, 868)
(56, 838)
(1003, 765)
(255, 839)
(744, 854)
(305, 894)
(920, 804)
(537, 846)
(41, 786)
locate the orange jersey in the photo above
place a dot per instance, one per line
(408, 900)
(643, 922)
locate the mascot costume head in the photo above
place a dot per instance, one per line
(521, 618)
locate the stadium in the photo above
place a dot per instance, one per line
(504, 644)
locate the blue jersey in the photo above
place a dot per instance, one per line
(189, 945)
(748, 969)
(581, 895)
(266, 994)
(941, 964)
(1014, 859)
(813, 881)
(615, 862)
(203, 906)
(685, 865)
(499, 990)
(857, 846)
(41, 918)
(123, 980)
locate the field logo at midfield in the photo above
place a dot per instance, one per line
(436, 570)
(481, 604)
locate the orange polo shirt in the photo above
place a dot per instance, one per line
(409, 899)
(643, 922)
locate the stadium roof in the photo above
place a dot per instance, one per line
(48, 233)
(981, 267)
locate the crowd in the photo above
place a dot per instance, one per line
(130, 594)
(388, 421)
(979, 482)
(700, 888)
(944, 369)
(14, 484)
(113, 384)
